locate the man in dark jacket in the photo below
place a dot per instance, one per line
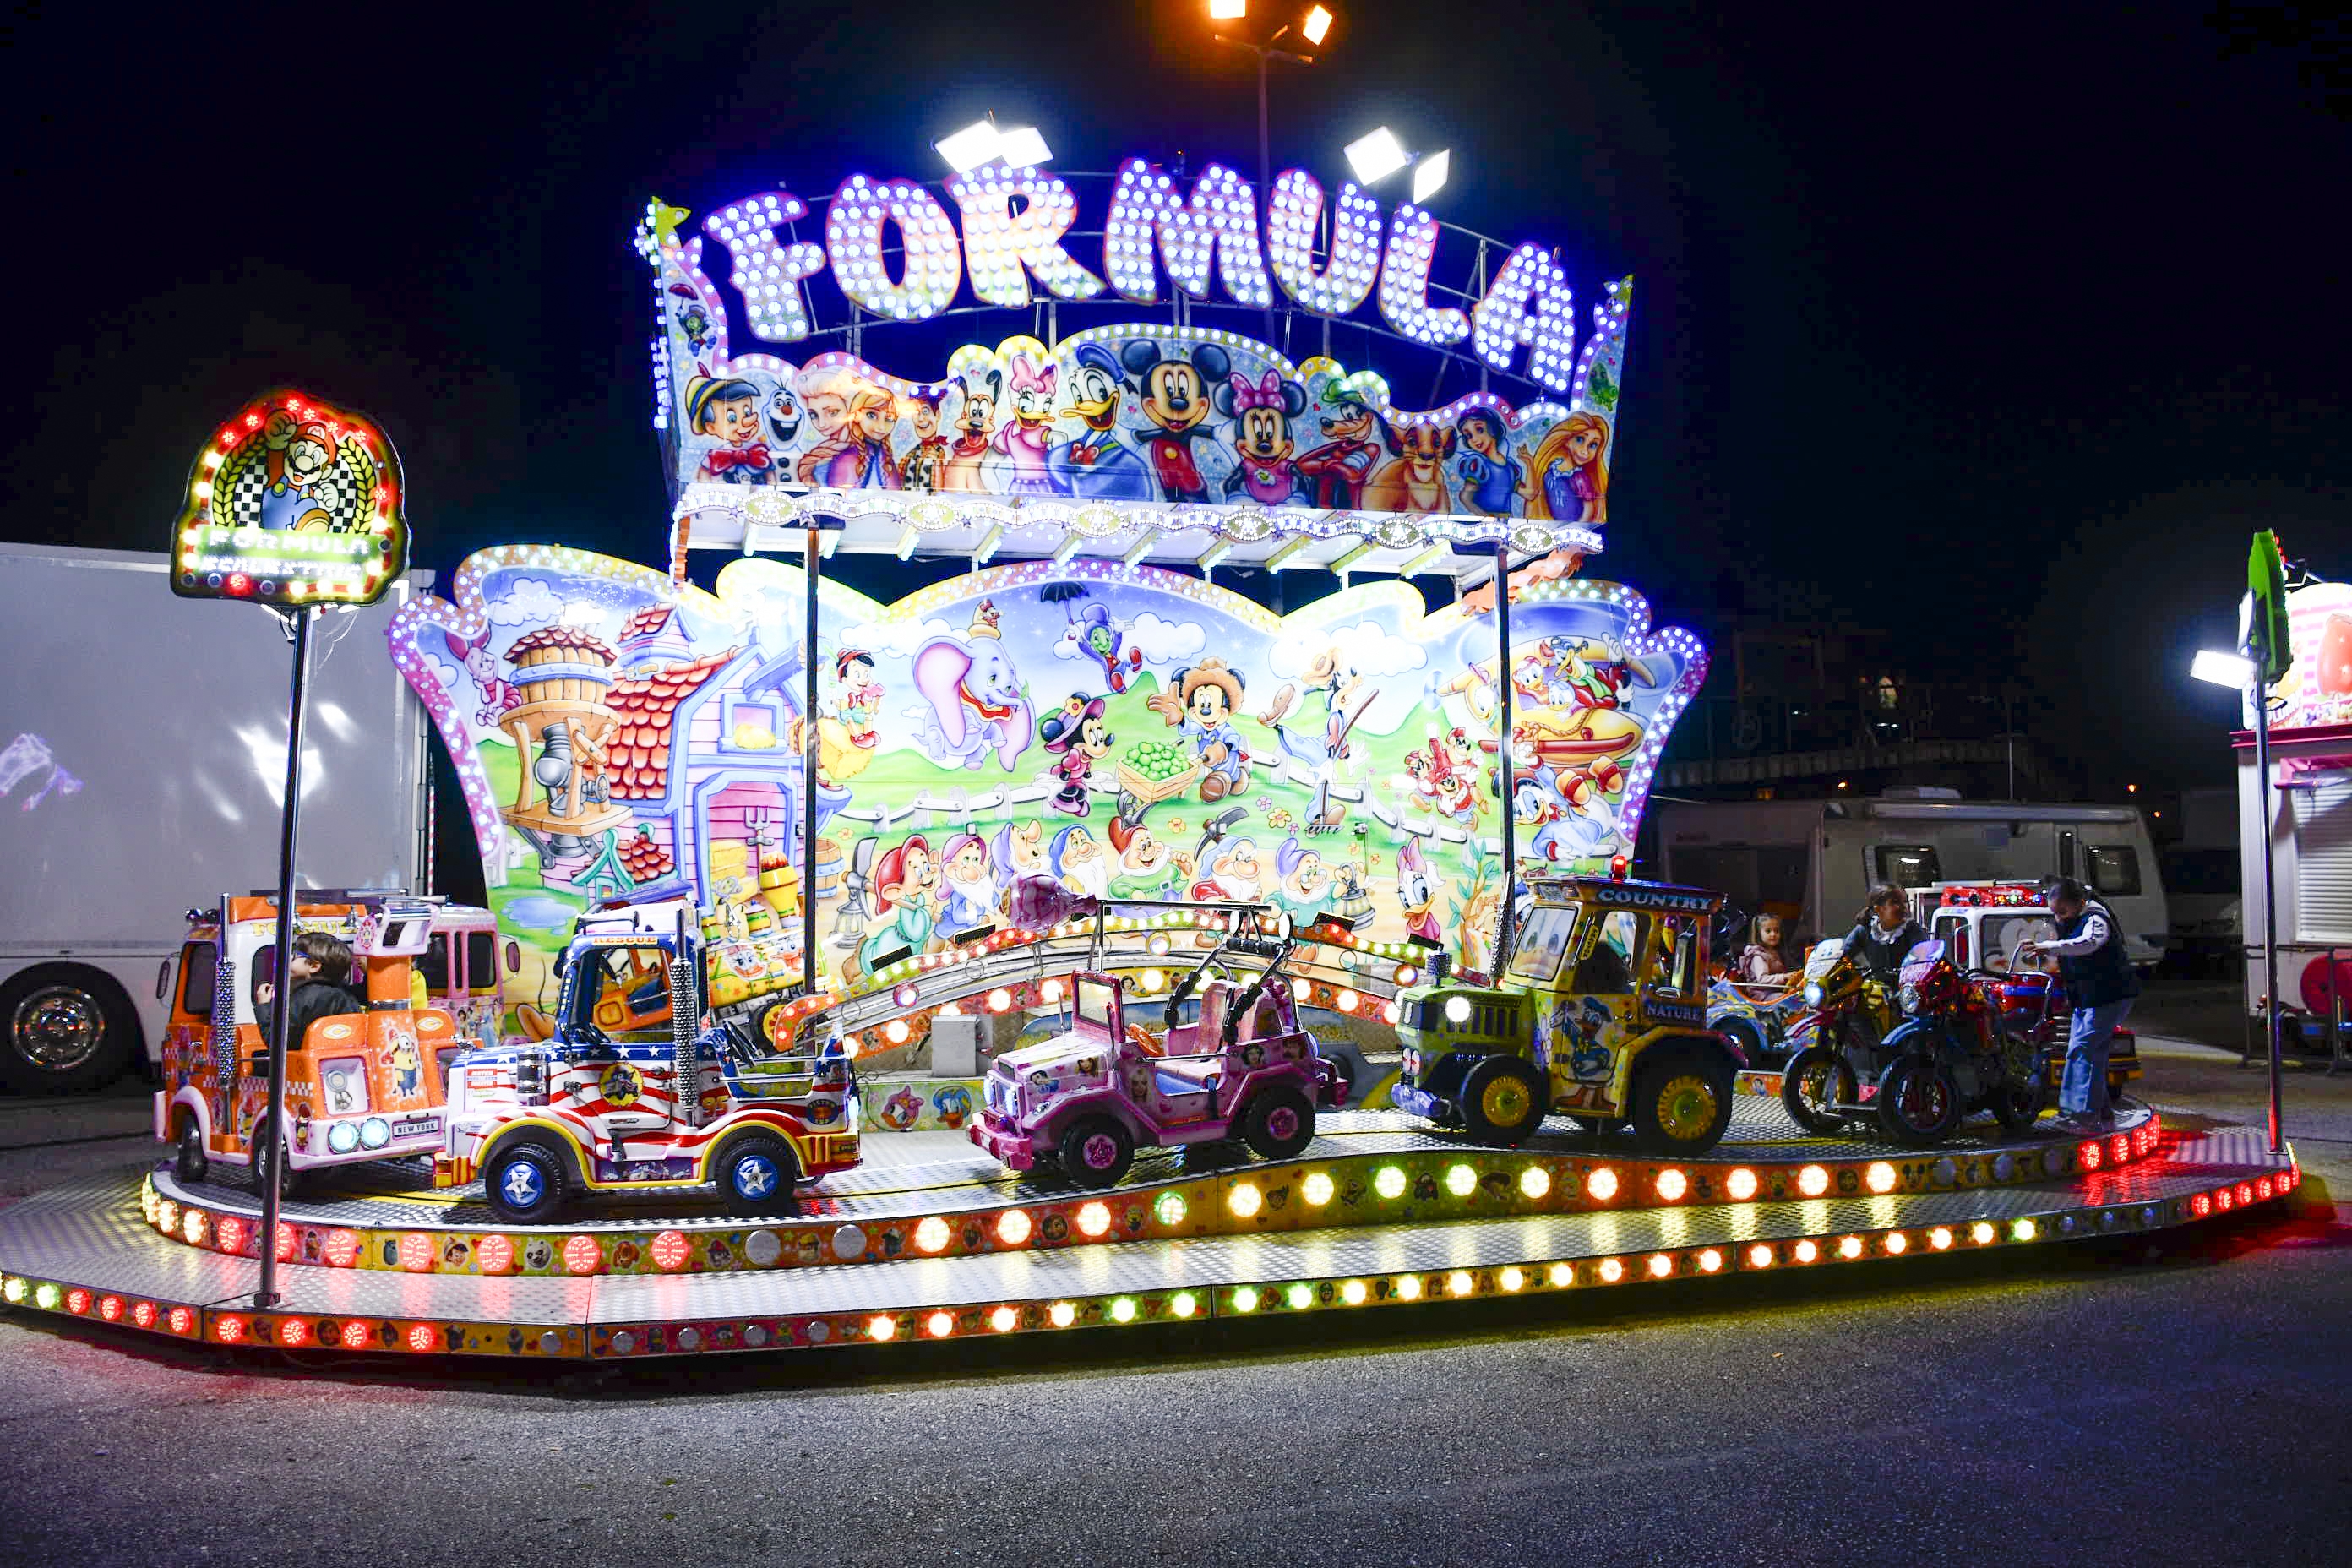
(2101, 983)
(316, 957)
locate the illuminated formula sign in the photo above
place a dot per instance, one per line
(292, 502)
(896, 250)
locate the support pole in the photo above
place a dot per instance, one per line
(812, 555)
(1503, 751)
(1264, 168)
(2261, 696)
(268, 1133)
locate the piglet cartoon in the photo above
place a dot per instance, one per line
(498, 693)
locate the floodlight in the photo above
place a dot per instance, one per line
(2222, 668)
(1317, 26)
(977, 143)
(1228, 10)
(1429, 176)
(1023, 148)
(1374, 157)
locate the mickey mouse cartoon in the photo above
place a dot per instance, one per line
(1174, 395)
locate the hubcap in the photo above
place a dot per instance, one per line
(1687, 1108)
(1099, 1152)
(521, 1184)
(1282, 1123)
(1505, 1102)
(57, 1028)
(755, 1176)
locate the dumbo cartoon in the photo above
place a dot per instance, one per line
(973, 698)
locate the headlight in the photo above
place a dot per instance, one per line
(1908, 998)
(1812, 993)
(1457, 1009)
(343, 1137)
(375, 1132)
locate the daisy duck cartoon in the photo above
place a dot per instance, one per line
(1021, 438)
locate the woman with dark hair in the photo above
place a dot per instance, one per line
(1884, 932)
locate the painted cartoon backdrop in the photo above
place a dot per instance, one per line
(1130, 730)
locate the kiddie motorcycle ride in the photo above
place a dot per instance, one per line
(1954, 1057)
(1089, 1098)
(1600, 1013)
(1838, 1043)
(631, 1093)
(1986, 924)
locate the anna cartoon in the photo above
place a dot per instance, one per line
(1572, 465)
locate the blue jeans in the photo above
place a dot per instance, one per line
(2082, 1091)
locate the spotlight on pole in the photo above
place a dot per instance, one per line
(1376, 155)
(2222, 668)
(977, 143)
(1429, 175)
(1317, 25)
(1022, 147)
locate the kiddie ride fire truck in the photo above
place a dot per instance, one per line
(1242, 1068)
(633, 1091)
(359, 1085)
(1600, 1013)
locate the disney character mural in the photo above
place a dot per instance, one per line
(1230, 743)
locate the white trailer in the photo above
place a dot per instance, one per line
(143, 758)
(1813, 861)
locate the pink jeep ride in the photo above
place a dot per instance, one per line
(1088, 1098)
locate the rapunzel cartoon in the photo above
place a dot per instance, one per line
(1573, 471)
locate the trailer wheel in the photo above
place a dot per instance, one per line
(1095, 1151)
(190, 1162)
(1503, 1101)
(756, 1171)
(64, 1029)
(526, 1180)
(1280, 1124)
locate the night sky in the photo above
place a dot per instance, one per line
(2001, 325)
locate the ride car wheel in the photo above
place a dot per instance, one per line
(2017, 1103)
(269, 1159)
(1502, 1101)
(526, 1181)
(1682, 1101)
(1095, 1151)
(756, 1171)
(1918, 1104)
(1280, 1124)
(190, 1162)
(1816, 1080)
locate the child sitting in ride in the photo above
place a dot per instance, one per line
(1760, 961)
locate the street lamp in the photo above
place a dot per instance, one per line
(1314, 27)
(981, 143)
(1377, 154)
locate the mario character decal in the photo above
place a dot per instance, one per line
(1021, 438)
(1203, 701)
(1336, 471)
(298, 457)
(1174, 396)
(1097, 466)
(1261, 413)
(1415, 478)
(1078, 738)
(926, 465)
(976, 702)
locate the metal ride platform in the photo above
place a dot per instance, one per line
(915, 1246)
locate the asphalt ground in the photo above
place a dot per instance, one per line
(2170, 1399)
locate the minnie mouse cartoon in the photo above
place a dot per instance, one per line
(1262, 415)
(1174, 395)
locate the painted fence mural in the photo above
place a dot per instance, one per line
(1126, 729)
